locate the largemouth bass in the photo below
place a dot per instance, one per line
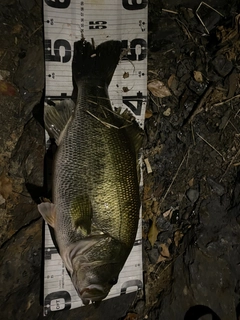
(95, 209)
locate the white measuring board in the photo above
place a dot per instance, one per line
(65, 21)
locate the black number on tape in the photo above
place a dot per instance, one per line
(61, 97)
(57, 301)
(49, 251)
(58, 4)
(51, 21)
(139, 99)
(133, 5)
(97, 24)
(129, 284)
(138, 49)
(56, 48)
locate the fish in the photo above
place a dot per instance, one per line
(95, 198)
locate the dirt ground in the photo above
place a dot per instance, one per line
(191, 196)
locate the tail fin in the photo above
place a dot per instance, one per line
(100, 63)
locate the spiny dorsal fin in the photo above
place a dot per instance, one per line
(133, 130)
(135, 134)
(57, 117)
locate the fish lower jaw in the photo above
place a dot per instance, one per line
(93, 292)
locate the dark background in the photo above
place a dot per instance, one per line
(191, 232)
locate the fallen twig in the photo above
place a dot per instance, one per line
(199, 107)
(211, 146)
(185, 29)
(174, 178)
(148, 166)
(207, 5)
(236, 155)
(169, 11)
(226, 101)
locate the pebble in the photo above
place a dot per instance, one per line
(192, 195)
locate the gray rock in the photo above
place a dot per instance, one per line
(222, 65)
(216, 187)
(192, 194)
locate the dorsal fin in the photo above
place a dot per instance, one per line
(133, 130)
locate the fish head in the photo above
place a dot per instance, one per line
(96, 269)
(93, 283)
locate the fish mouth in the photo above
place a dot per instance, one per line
(94, 292)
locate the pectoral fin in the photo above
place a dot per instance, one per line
(48, 212)
(56, 118)
(81, 214)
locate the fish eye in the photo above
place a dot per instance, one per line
(113, 281)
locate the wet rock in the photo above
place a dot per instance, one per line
(185, 67)
(197, 87)
(216, 187)
(193, 195)
(153, 255)
(20, 273)
(222, 65)
(27, 4)
(238, 219)
(163, 223)
(145, 226)
(30, 73)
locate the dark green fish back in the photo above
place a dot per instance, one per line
(97, 173)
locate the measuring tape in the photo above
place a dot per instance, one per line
(65, 21)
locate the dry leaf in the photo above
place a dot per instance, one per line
(16, 29)
(191, 182)
(125, 89)
(168, 213)
(171, 79)
(173, 82)
(131, 316)
(167, 112)
(155, 207)
(161, 258)
(5, 186)
(2, 200)
(158, 89)
(198, 76)
(126, 75)
(153, 232)
(148, 114)
(177, 237)
(164, 254)
(233, 81)
(7, 89)
(4, 74)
